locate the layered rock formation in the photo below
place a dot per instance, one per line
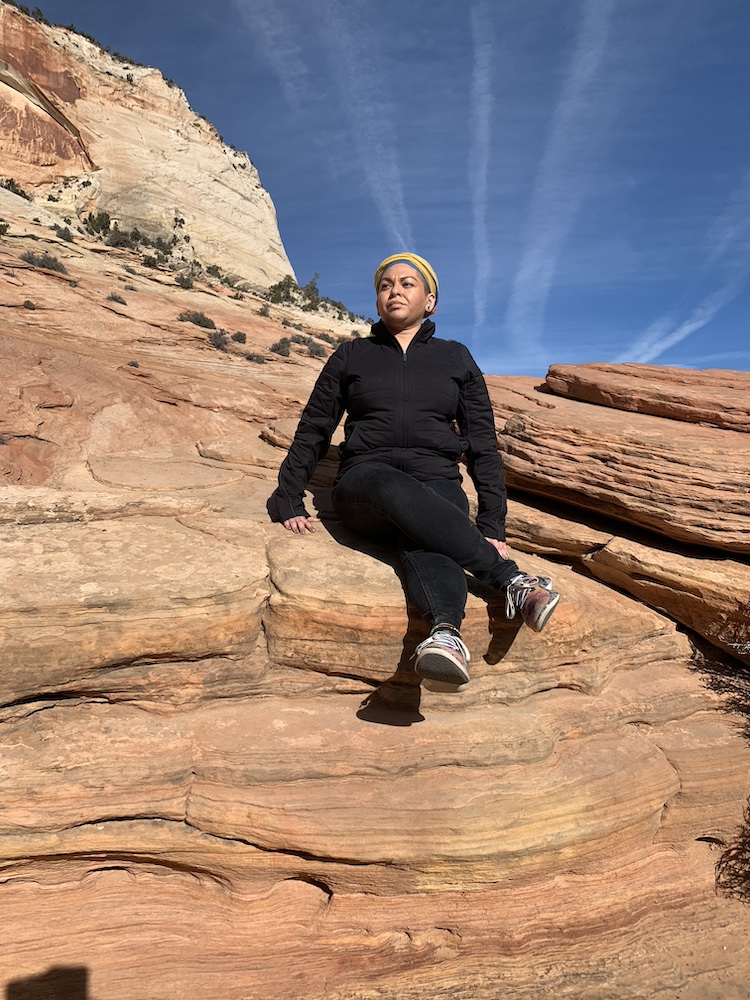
(84, 133)
(220, 777)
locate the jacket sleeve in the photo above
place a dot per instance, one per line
(477, 425)
(311, 440)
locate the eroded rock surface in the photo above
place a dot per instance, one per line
(216, 756)
(93, 133)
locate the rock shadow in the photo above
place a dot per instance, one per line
(730, 679)
(60, 982)
(396, 702)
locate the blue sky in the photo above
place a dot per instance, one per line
(577, 171)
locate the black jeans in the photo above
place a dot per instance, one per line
(428, 525)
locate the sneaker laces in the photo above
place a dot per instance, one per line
(519, 589)
(445, 638)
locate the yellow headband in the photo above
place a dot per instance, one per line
(418, 263)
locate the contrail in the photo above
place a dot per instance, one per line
(275, 31)
(728, 242)
(663, 334)
(479, 157)
(365, 100)
(564, 172)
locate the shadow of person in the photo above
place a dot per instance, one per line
(61, 982)
(396, 701)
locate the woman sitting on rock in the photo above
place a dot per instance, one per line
(414, 405)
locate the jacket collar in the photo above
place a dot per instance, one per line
(381, 332)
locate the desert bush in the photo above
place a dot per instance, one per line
(184, 281)
(218, 339)
(264, 311)
(133, 364)
(199, 318)
(239, 337)
(28, 304)
(10, 185)
(258, 359)
(238, 296)
(282, 347)
(114, 297)
(299, 338)
(45, 260)
(4, 227)
(283, 291)
(316, 350)
(99, 223)
(63, 233)
(130, 288)
(149, 261)
(121, 238)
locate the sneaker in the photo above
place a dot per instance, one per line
(534, 597)
(443, 660)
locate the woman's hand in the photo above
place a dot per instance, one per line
(299, 525)
(501, 547)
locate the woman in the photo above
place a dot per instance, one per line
(415, 405)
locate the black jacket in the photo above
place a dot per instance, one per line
(418, 410)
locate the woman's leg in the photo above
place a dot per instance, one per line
(371, 492)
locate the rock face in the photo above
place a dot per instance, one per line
(84, 132)
(215, 753)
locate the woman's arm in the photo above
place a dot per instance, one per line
(311, 440)
(476, 422)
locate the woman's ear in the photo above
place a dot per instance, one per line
(429, 306)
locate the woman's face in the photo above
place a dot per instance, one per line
(403, 300)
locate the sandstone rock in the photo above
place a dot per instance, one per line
(81, 601)
(210, 724)
(710, 596)
(98, 134)
(715, 397)
(42, 504)
(687, 483)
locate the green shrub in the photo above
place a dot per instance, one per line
(258, 359)
(114, 297)
(199, 318)
(45, 260)
(239, 337)
(283, 291)
(316, 350)
(121, 238)
(184, 281)
(149, 261)
(99, 223)
(214, 270)
(264, 311)
(299, 338)
(10, 185)
(130, 288)
(282, 347)
(63, 233)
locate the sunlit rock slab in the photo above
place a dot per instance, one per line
(715, 397)
(78, 600)
(685, 482)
